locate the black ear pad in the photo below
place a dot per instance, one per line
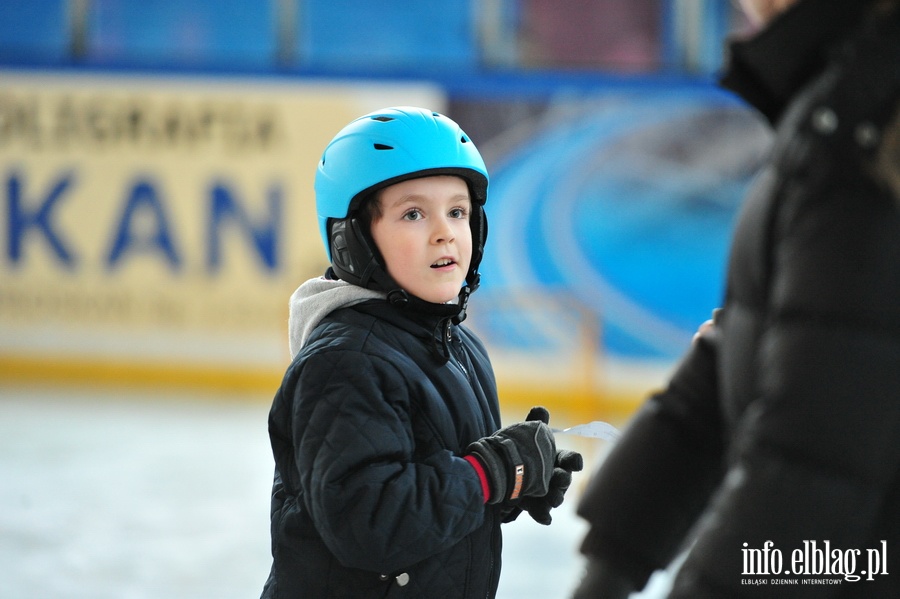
(354, 257)
(340, 252)
(479, 237)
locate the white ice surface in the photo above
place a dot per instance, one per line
(105, 496)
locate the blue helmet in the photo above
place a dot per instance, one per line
(377, 150)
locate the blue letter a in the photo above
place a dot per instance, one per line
(143, 200)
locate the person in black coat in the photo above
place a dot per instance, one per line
(773, 455)
(391, 476)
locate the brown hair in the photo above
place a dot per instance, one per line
(370, 209)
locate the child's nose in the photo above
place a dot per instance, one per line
(443, 232)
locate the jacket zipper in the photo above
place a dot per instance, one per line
(448, 339)
(448, 336)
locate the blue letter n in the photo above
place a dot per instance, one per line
(264, 238)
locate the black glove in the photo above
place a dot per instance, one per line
(601, 580)
(565, 463)
(539, 508)
(518, 460)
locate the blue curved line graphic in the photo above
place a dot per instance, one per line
(642, 243)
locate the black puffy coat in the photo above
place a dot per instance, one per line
(783, 424)
(371, 497)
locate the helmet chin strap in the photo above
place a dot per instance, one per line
(472, 283)
(398, 297)
(402, 299)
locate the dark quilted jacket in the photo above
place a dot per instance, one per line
(783, 426)
(371, 497)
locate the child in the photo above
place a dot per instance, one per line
(391, 475)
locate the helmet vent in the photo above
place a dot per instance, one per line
(464, 139)
(383, 147)
(383, 119)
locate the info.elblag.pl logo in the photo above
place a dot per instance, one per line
(813, 563)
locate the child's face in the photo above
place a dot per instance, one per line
(424, 236)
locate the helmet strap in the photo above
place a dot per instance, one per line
(473, 281)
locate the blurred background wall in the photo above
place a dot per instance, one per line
(157, 157)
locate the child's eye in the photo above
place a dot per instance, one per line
(412, 215)
(459, 213)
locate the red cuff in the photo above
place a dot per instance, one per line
(479, 469)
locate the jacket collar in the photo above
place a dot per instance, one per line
(770, 68)
(430, 322)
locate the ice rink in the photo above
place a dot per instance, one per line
(139, 496)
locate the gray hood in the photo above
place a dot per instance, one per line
(317, 298)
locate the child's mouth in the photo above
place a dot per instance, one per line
(443, 263)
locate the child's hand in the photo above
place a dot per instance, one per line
(518, 460)
(539, 508)
(564, 464)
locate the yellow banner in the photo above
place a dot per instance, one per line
(161, 223)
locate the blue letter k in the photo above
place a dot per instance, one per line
(21, 221)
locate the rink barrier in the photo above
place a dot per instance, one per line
(569, 404)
